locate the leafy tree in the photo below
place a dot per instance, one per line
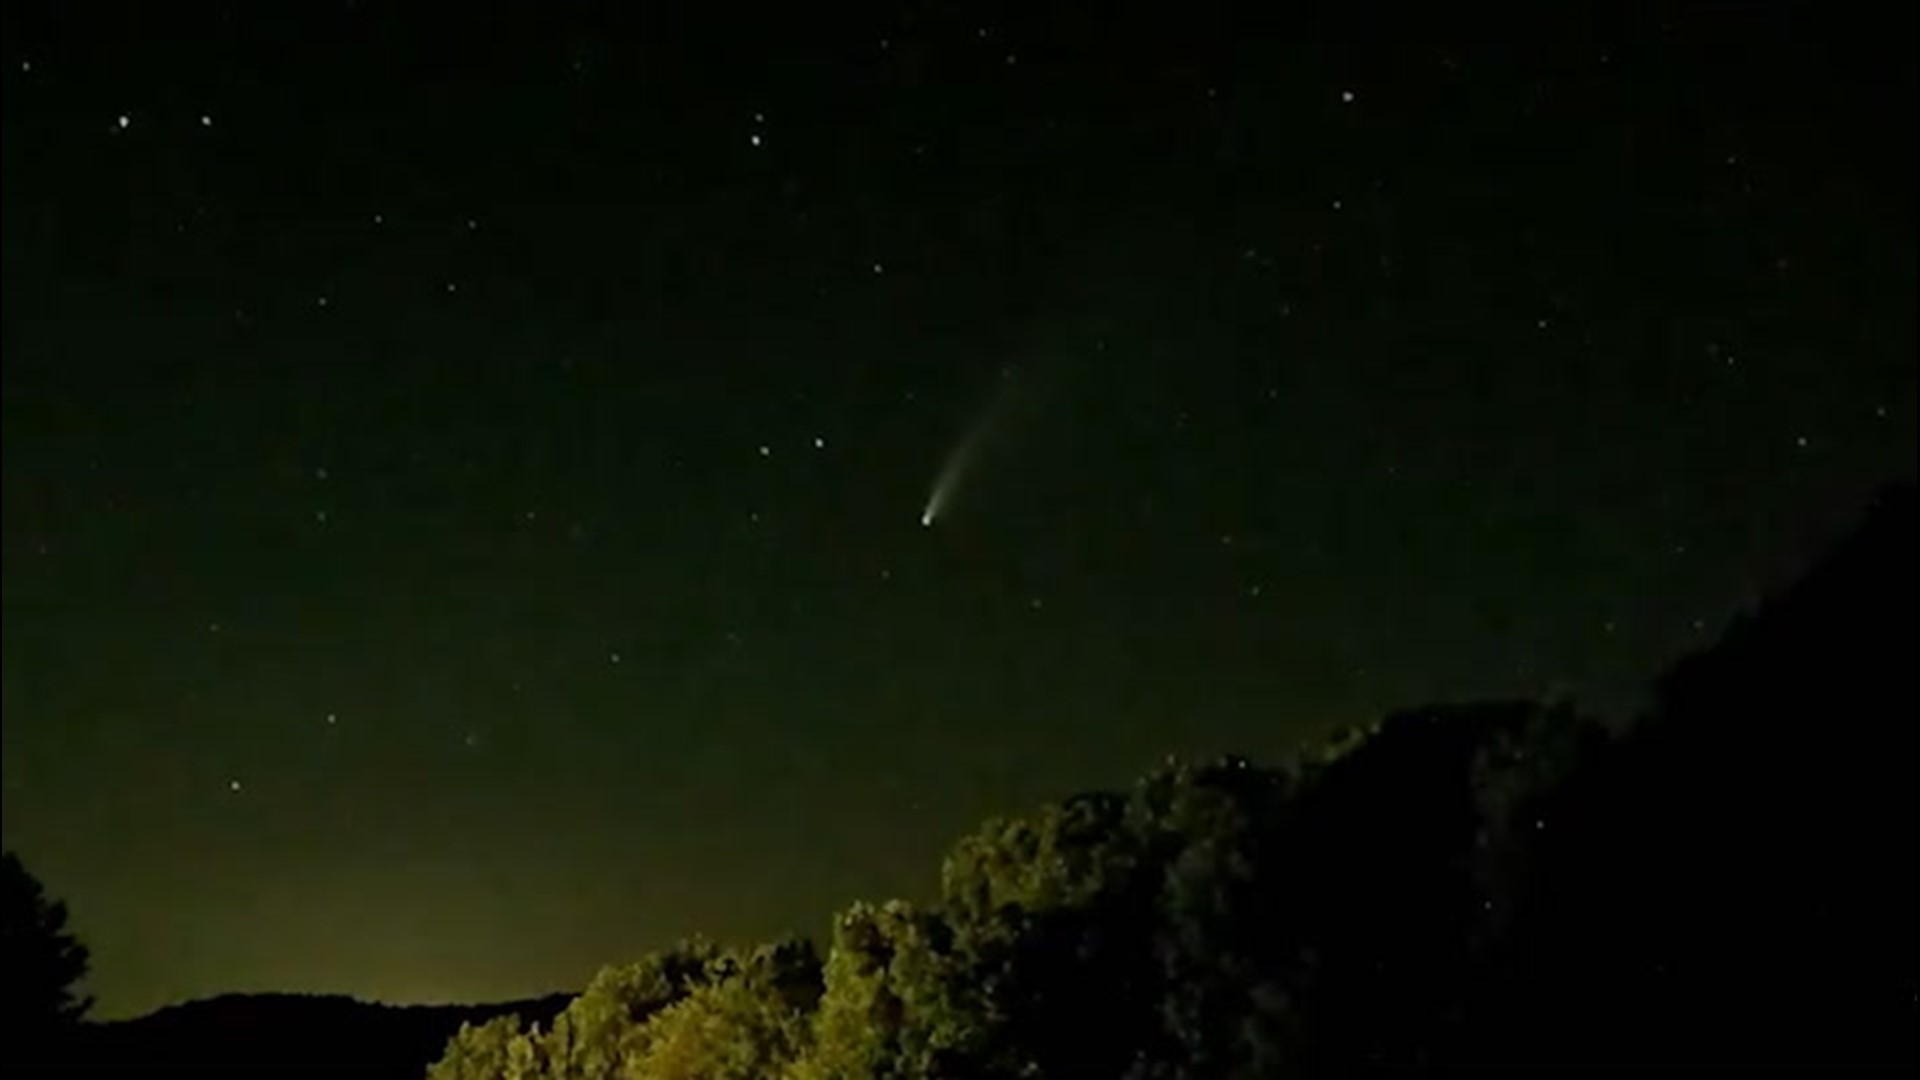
(605, 1028)
(42, 966)
(1221, 920)
(692, 1011)
(1051, 920)
(892, 1007)
(1227, 985)
(1491, 884)
(748, 1021)
(495, 1050)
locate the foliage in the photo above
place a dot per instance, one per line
(605, 1027)
(1501, 884)
(748, 1021)
(692, 1011)
(893, 1002)
(42, 966)
(495, 1050)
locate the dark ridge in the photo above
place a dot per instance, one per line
(297, 1034)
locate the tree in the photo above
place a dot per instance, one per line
(495, 1050)
(1733, 878)
(748, 1022)
(692, 1011)
(43, 965)
(1499, 883)
(892, 1007)
(606, 1027)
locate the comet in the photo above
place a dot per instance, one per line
(953, 472)
(947, 484)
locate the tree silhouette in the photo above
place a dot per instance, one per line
(1728, 880)
(41, 967)
(1734, 879)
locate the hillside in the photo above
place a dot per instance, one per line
(288, 1035)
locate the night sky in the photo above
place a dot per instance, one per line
(464, 478)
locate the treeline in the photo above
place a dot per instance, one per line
(1730, 880)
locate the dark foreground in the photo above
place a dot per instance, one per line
(1729, 880)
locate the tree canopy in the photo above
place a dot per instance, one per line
(42, 966)
(1494, 884)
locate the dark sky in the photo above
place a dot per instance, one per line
(464, 476)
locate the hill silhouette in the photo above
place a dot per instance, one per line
(290, 1035)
